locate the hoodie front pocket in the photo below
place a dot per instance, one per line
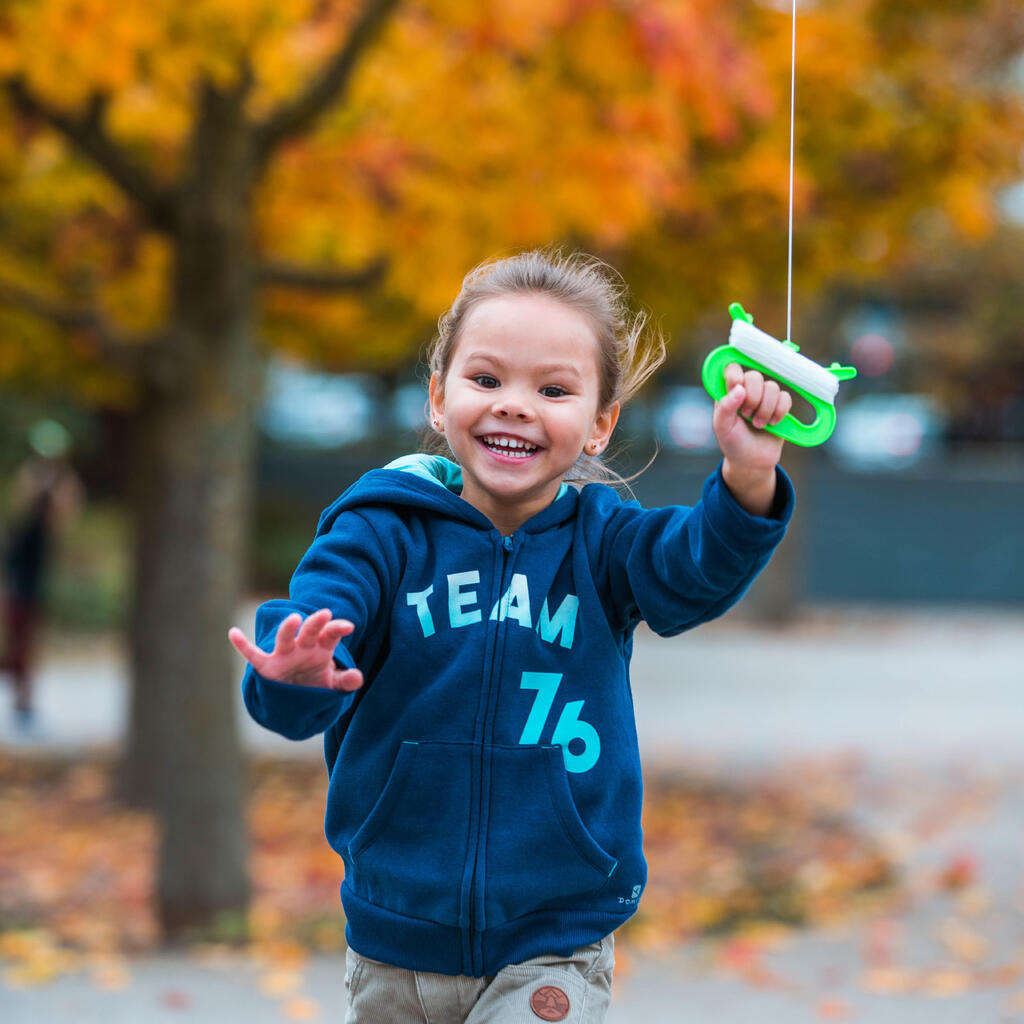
(409, 854)
(538, 849)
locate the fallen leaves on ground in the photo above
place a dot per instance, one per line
(724, 856)
(745, 862)
(77, 876)
(77, 870)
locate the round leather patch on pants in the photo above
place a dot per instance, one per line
(550, 1003)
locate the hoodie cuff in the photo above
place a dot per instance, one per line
(736, 527)
(294, 711)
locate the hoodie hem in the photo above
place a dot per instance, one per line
(419, 945)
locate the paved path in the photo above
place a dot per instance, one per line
(925, 710)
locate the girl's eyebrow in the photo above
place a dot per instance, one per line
(544, 368)
(557, 368)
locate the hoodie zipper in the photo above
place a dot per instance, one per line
(506, 553)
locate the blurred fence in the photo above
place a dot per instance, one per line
(949, 531)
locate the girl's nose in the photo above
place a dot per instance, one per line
(511, 407)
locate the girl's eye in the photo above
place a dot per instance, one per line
(553, 391)
(485, 380)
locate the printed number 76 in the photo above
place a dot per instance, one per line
(569, 726)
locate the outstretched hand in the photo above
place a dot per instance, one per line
(303, 652)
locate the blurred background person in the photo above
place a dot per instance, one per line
(45, 495)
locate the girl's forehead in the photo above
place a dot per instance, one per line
(531, 319)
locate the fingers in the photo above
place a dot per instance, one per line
(333, 632)
(764, 409)
(310, 630)
(783, 409)
(733, 376)
(284, 641)
(759, 400)
(302, 653)
(735, 394)
(247, 650)
(316, 630)
(753, 384)
(321, 630)
(346, 679)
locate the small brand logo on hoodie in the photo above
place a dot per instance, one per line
(635, 898)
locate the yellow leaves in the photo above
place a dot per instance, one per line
(89, 898)
(598, 53)
(68, 49)
(475, 128)
(723, 858)
(10, 60)
(134, 294)
(279, 983)
(301, 1008)
(142, 111)
(943, 982)
(971, 207)
(34, 958)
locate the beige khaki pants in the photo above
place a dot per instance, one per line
(576, 990)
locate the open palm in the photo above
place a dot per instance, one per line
(303, 652)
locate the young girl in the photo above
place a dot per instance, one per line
(460, 631)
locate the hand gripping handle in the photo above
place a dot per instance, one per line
(790, 428)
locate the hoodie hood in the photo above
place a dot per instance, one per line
(434, 483)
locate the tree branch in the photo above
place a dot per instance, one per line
(312, 279)
(295, 116)
(86, 133)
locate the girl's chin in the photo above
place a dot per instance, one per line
(509, 489)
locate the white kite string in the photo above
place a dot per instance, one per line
(792, 125)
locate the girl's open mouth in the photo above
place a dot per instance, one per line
(508, 447)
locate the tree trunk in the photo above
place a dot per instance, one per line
(194, 448)
(138, 777)
(184, 751)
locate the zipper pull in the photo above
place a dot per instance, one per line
(507, 541)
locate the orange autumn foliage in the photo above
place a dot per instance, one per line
(655, 133)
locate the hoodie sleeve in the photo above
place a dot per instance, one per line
(677, 567)
(345, 570)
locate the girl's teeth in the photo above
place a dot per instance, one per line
(508, 446)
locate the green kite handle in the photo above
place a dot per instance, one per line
(790, 428)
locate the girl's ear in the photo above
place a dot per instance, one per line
(435, 389)
(601, 433)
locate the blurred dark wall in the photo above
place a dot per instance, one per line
(944, 532)
(952, 533)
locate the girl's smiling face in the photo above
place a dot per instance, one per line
(519, 403)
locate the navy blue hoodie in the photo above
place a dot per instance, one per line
(485, 787)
